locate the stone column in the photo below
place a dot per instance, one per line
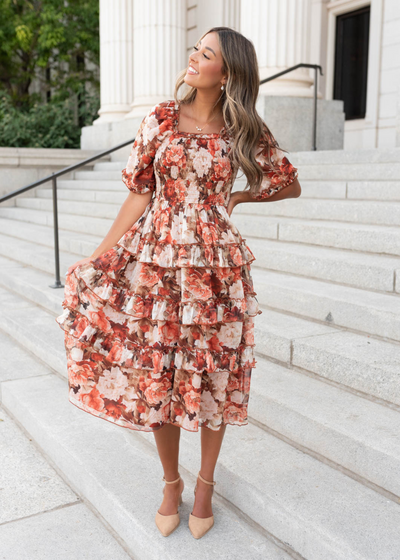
(280, 31)
(159, 46)
(116, 59)
(213, 13)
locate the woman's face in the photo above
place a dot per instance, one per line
(206, 59)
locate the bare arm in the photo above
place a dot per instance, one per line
(130, 211)
(291, 191)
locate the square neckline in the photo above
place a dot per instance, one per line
(176, 125)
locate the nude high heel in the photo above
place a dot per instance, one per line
(168, 523)
(200, 525)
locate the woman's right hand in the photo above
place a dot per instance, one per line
(78, 263)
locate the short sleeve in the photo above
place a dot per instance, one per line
(276, 176)
(138, 174)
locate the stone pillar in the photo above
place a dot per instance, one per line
(159, 47)
(116, 60)
(213, 13)
(280, 31)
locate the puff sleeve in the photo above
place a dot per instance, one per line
(138, 174)
(276, 176)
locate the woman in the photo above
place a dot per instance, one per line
(159, 319)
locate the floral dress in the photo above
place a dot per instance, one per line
(159, 329)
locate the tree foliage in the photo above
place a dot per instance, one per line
(50, 34)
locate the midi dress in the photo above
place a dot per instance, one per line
(160, 328)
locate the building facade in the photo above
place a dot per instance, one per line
(145, 44)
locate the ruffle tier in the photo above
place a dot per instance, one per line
(156, 357)
(160, 327)
(187, 235)
(166, 304)
(158, 331)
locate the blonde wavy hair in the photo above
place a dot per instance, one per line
(243, 123)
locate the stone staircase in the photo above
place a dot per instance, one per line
(315, 474)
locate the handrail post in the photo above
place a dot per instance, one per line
(315, 109)
(303, 65)
(57, 283)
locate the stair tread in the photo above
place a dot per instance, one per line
(120, 502)
(331, 253)
(42, 234)
(365, 420)
(295, 489)
(389, 303)
(34, 255)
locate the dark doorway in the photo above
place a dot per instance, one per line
(351, 62)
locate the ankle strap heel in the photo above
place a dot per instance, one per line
(212, 483)
(168, 523)
(171, 481)
(199, 526)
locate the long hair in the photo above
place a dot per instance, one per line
(243, 123)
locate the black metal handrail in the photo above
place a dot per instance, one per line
(54, 176)
(303, 65)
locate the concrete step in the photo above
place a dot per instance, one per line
(93, 209)
(341, 235)
(355, 190)
(358, 362)
(353, 211)
(98, 185)
(110, 165)
(104, 175)
(350, 442)
(69, 241)
(374, 190)
(39, 511)
(286, 491)
(359, 171)
(344, 306)
(26, 215)
(356, 434)
(86, 195)
(347, 157)
(70, 222)
(370, 272)
(36, 256)
(120, 490)
(33, 328)
(31, 284)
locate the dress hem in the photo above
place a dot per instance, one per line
(136, 428)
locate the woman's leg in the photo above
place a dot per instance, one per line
(211, 442)
(167, 441)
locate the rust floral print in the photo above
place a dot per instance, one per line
(160, 328)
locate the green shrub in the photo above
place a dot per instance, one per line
(50, 125)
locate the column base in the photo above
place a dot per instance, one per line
(103, 135)
(290, 120)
